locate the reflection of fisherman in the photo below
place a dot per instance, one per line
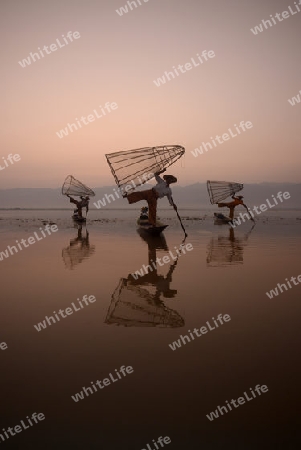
(80, 204)
(161, 282)
(161, 190)
(137, 301)
(232, 205)
(224, 250)
(78, 250)
(83, 240)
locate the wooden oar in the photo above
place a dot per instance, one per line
(176, 210)
(249, 212)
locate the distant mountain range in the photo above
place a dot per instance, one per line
(192, 196)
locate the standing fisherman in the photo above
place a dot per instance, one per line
(232, 205)
(161, 190)
(80, 204)
(85, 203)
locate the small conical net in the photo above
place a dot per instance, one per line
(72, 186)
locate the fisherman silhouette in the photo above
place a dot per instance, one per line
(232, 205)
(80, 204)
(161, 190)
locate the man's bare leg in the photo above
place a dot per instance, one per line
(152, 210)
(231, 214)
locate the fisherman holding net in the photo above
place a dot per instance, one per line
(232, 205)
(74, 187)
(80, 204)
(161, 190)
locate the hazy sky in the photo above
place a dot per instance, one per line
(116, 58)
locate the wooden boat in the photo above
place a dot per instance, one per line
(219, 217)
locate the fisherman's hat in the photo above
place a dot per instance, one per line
(170, 179)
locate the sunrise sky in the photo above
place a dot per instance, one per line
(117, 58)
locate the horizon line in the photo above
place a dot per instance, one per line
(177, 185)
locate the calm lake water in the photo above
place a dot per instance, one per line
(133, 321)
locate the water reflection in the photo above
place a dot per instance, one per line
(138, 302)
(79, 248)
(227, 250)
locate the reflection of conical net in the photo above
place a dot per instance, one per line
(219, 190)
(224, 252)
(134, 306)
(77, 253)
(72, 186)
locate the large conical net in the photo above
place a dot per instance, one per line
(219, 190)
(133, 168)
(72, 186)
